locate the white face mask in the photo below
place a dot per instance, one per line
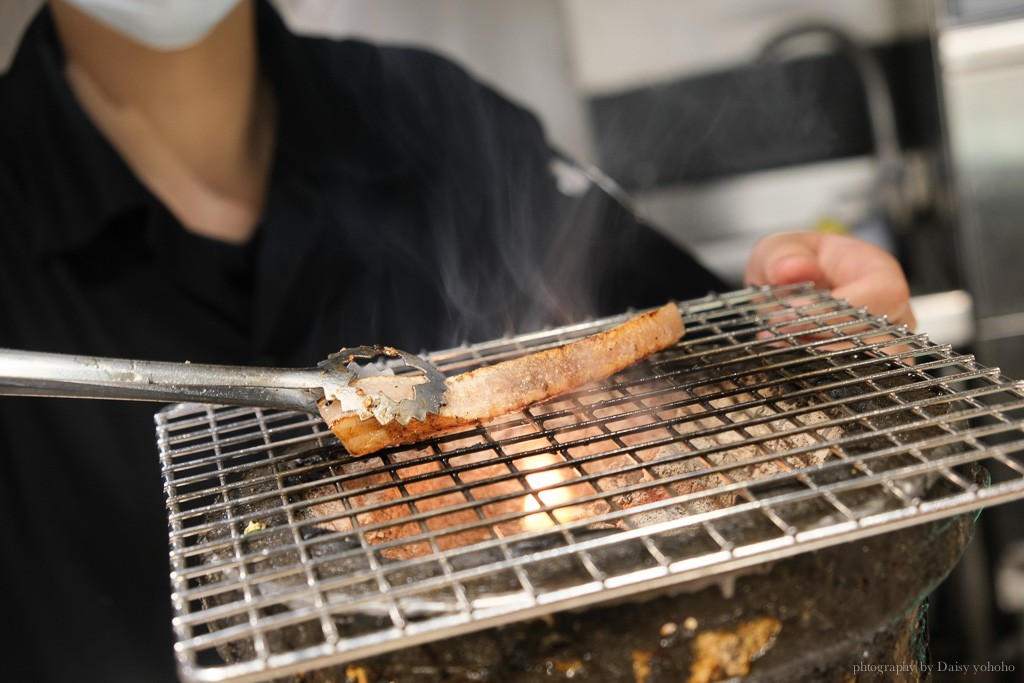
(159, 24)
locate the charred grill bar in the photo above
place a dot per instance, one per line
(785, 421)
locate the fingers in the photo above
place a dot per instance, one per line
(867, 275)
(883, 292)
(786, 258)
(853, 269)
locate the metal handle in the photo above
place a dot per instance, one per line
(33, 373)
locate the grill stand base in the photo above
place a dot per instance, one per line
(839, 611)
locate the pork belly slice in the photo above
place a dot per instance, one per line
(496, 390)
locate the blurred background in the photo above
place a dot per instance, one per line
(896, 120)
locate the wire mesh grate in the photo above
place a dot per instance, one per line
(784, 421)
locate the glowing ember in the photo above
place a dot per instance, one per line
(547, 496)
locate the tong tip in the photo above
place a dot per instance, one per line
(376, 390)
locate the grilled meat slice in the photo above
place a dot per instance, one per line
(495, 390)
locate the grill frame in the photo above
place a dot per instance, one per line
(206, 452)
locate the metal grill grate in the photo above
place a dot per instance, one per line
(783, 422)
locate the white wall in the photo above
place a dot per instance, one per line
(617, 44)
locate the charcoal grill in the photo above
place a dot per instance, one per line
(785, 421)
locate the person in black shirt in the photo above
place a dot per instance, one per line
(255, 197)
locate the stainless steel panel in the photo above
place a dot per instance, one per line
(982, 71)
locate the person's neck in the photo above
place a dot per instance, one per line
(195, 125)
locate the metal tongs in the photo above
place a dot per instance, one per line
(393, 385)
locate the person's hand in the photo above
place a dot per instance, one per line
(851, 268)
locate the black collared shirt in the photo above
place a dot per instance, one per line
(408, 205)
